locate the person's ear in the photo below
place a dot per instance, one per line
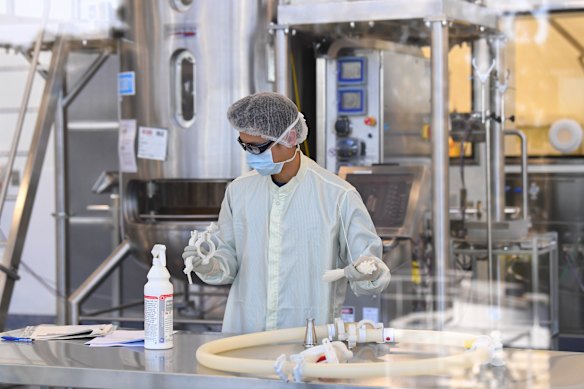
(292, 137)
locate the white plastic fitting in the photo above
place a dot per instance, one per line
(388, 335)
(197, 239)
(493, 346)
(352, 338)
(205, 238)
(331, 331)
(341, 334)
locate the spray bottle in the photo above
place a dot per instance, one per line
(158, 309)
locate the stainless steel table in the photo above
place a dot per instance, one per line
(72, 364)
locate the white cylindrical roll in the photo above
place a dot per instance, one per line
(565, 135)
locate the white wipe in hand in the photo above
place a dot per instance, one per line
(367, 267)
(333, 275)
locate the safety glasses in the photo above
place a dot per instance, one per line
(255, 149)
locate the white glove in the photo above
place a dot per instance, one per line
(193, 262)
(366, 268)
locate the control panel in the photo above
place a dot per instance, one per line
(353, 109)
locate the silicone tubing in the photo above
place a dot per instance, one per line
(207, 355)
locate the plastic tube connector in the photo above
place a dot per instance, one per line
(388, 335)
(189, 268)
(352, 338)
(331, 331)
(298, 359)
(362, 334)
(493, 346)
(279, 367)
(341, 334)
(365, 322)
(205, 238)
(329, 352)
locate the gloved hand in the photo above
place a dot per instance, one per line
(196, 261)
(366, 268)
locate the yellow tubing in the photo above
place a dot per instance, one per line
(207, 355)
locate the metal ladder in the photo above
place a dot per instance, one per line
(51, 112)
(31, 175)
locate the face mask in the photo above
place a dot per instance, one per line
(264, 163)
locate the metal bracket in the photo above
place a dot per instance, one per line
(442, 19)
(60, 215)
(274, 27)
(10, 273)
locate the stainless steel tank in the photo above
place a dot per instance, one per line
(191, 60)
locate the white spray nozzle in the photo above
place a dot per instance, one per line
(213, 228)
(159, 254)
(194, 237)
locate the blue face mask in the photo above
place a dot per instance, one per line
(264, 163)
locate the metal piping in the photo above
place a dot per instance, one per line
(96, 278)
(20, 120)
(497, 154)
(281, 53)
(61, 212)
(523, 139)
(482, 78)
(489, 209)
(117, 275)
(440, 161)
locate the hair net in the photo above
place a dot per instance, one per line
(269, 115)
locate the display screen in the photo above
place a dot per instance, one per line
(386, 196)
(352, 101)
(352, 70)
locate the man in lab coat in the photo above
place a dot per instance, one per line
(283, 225)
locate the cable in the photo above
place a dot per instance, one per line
(345, 231)
(42, 280)
(297, 97)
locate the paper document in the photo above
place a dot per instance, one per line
(152, 143)
(53, 332)
(126, 146)
(127, 338)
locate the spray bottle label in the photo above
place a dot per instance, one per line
(158, 318)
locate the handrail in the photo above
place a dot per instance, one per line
(21, 117)
(524, 184)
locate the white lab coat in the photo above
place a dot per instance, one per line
(275, 243)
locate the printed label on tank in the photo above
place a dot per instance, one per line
(348, 314)
(371, 313)
(126, 83)
(158, 312)
(152, 143)
(127, 147)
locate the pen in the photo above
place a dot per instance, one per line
(16, 339)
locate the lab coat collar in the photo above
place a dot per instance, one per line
(295, 181)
